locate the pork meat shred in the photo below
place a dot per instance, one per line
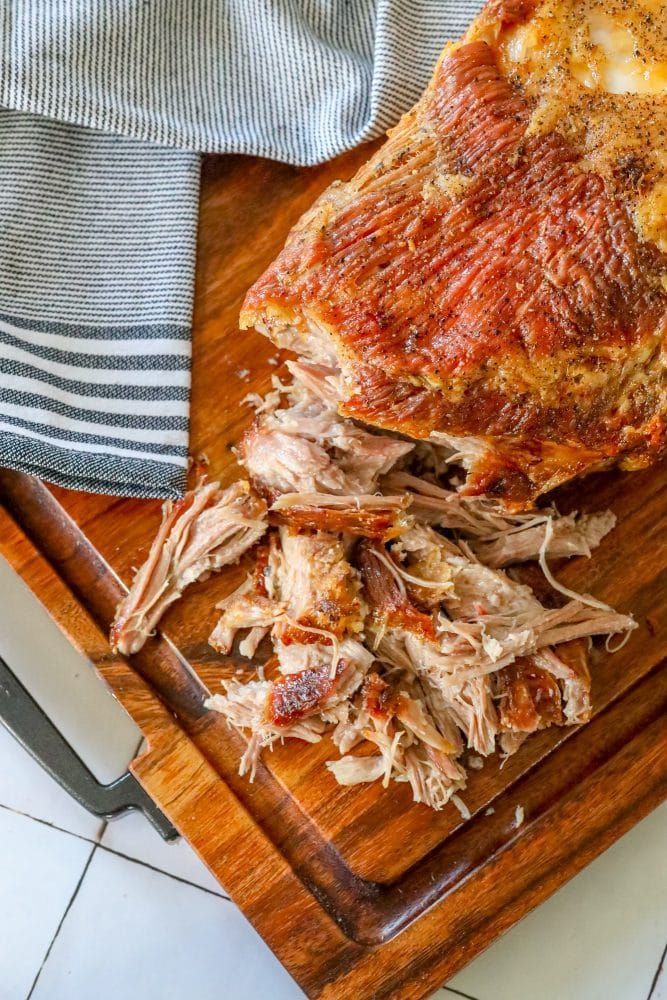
(206, 530)
(477, 633)
(245, 707)
(307, 595)
(500, 538)
(306, 447)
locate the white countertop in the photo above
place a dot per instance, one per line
(91, 909)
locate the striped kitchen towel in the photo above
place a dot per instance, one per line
(105, 106)
(96, 269)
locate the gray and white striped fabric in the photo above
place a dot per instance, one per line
(106, 105)
(96, 274)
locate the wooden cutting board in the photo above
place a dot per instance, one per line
(359, 892)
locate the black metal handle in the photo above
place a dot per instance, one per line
(26, 721)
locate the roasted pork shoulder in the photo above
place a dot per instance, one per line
(496, 274)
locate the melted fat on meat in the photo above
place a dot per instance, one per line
(529, 697)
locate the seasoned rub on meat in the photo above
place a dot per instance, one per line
(245, 708)
(254, 605)
(313, 690)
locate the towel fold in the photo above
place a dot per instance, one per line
(106, 105)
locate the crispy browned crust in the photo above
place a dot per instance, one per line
(529, 697)
(375, 523)
(296, 696)
(386, 602)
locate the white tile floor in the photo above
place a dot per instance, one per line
(107, 910)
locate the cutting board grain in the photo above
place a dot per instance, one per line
(359, 892)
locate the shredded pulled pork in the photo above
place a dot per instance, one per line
(382, 592)
(496, 536)
(394, 624)
(410, 748)
(206, 530)
(245, 707)
(459, 654)
(307, 595)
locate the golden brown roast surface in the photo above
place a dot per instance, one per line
(497, 271)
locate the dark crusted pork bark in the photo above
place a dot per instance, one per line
(494, 275)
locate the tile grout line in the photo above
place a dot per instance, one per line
(112, 850)
(62, 920)
(458, 993)
(52, 826)
(146, 864)
(161, 871)
(656, 977)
